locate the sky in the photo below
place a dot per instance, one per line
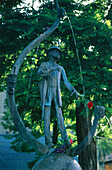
(36, 3)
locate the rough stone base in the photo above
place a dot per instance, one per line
(57, 161)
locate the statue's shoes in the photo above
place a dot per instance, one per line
(67, 143)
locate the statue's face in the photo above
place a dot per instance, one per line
(55, 54)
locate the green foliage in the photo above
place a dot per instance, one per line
(104, 150)
(9, 125)
(93, 31)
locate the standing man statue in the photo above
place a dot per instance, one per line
(50, 92)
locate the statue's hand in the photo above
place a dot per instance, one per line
(74, 92)
(99, 112)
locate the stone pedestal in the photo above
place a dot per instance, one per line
(57, 161)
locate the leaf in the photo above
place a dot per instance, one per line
(93, 34)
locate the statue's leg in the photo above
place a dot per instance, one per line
(47, 113)
(61, 125)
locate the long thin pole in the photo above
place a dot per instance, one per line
(77, 54)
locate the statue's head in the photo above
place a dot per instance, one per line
(54, 52)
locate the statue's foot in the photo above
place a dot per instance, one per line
(67, 143)
(50, 145)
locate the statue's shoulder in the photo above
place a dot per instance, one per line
(61, 67)
(44, 65)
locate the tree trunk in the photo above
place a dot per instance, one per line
(87, 159)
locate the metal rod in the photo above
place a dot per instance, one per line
(57, 5)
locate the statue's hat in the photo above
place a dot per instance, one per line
(54, 48)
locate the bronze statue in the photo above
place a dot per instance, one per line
(51, 73)
(50, 92)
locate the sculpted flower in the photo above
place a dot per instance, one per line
(90, 104)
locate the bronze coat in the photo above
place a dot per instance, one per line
(50, 80)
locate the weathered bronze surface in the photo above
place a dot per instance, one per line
(50, 92)
(11, 83)
(99, 112)
(52, 74)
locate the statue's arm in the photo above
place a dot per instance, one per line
(67, 83)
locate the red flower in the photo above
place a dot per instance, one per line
(71, 141)
(90, 104)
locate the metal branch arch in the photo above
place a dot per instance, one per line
(11, 83)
